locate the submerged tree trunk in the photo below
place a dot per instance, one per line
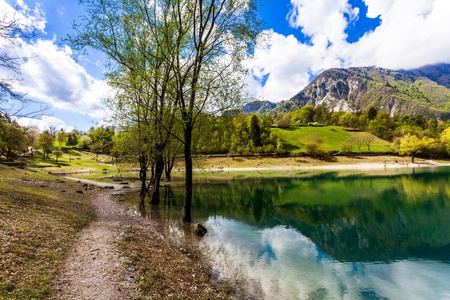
(142, 209)
(188, 181)
(143, 174)
(159, 169)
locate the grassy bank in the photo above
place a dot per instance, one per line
(39, 217)
(163, 272)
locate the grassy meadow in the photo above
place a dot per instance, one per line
(330, 138)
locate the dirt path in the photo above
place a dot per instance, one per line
(102, 184)
(94, 269)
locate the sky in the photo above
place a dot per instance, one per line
(302, 38)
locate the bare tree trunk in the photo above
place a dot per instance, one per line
(188, 181)
(143, 174)
(159, 169)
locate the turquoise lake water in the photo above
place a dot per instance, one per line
(328, 235)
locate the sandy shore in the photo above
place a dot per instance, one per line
(331, 166)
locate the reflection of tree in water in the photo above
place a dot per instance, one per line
(142, 209)
(350, 218)
(169, 198)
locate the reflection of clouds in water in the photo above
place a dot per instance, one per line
(281, 263)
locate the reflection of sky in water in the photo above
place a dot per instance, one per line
(281, 263)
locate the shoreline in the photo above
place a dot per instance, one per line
(330, 166)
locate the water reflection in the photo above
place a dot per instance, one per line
(385, 236)
(295, 268)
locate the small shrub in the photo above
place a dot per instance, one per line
(346, 148)
(270, 149)
(313, 149)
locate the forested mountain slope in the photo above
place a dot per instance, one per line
(424, 91)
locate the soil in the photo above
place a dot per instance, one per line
(94, 268)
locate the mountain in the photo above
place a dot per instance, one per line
(424, 91)
(260, 107)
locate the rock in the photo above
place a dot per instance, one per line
(79, 192)
(200, 230)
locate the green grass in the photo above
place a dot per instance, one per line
(80, 160)
(39, 217)
(331, 138)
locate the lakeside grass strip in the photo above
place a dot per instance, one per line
(163, 271)
(40, 215)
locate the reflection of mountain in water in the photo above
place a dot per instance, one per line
(354, 218)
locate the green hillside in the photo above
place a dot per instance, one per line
(330, 138)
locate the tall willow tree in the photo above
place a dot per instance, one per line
(187, 53)
(214, 37)
(143, 79)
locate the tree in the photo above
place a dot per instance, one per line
(96, 148)
(304, 115)
(71, 153)
(58, 154)
(445, 139)
(321, 114)
(216, 36)
(371, 113)
(367, 139)
(61, 137)
(13, 138)
(45, 142)
(382, 125)
(197, 46)
(255, 131)
(412, 145)
(84, 141)
(72, 139)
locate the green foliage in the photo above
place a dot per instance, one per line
(84, 141)
(101, 134)
(61, 137)
(382, 126)
(45, 142)
(313, 149)
(58, 154)
(13, 139)
(72, 139)
(255, 131)
(346, 147)
(445, 139)
(304, 115)
(412, 145)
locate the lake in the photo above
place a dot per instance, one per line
(328, 235)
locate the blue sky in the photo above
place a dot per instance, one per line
(306, 37)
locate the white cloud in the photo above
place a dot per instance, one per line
(34, 18)
(52, 76)
(413, 33)
(45, 122)
(49, 74)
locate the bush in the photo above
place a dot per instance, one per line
(313, 149)
(346, 148)
(269, 149)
